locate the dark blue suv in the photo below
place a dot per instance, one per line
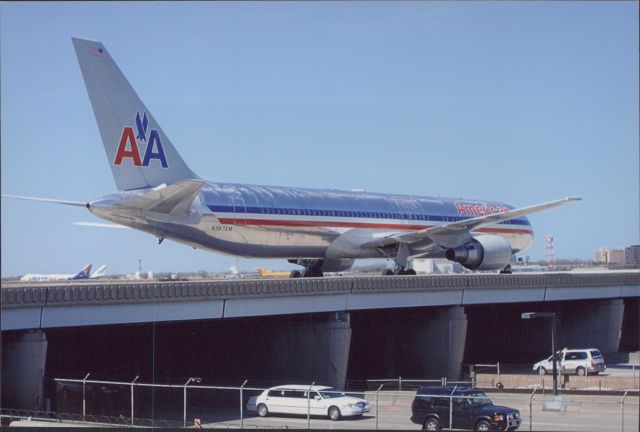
(465, 407)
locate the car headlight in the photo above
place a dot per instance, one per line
(498, 417)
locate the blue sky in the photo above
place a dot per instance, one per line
(520, 102)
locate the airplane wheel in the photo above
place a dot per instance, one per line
(316, 273)
(410, 272)
(387, 272)
(295, 274)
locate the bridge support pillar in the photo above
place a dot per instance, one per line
(440, 343)
(23, 363)
(314, 351)
(595, 324)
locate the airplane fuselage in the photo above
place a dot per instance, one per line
(284, 222)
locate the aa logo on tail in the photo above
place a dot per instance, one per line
(128, 147)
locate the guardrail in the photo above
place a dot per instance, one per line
(141, 292)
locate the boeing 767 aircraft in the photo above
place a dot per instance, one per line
(321, 230)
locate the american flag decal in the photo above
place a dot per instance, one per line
(97, 52)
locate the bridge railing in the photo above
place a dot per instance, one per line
(114, 292)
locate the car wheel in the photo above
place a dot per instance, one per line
(334, 413)
(542, 370)
(263, 411)
(581, 371)
(431, 424)
(483, 425)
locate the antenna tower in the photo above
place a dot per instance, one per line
(551, 252)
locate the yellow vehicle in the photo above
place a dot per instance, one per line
(273, 274)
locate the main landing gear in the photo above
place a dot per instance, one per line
(305, 274)
(399, 271)
(311, 268)
(400, 256)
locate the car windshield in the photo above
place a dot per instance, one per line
(328, 394)
(479, 399)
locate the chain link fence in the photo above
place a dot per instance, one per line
(193, 405)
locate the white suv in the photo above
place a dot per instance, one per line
(294, 399)
(581, 361)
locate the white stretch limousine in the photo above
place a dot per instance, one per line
(294, 399)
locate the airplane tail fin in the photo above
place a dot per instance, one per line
(84, 273)
(139, 153)
(102, 270)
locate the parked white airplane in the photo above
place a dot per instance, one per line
(82, 274)
(322, 230)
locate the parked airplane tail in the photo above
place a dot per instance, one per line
(102, 270)
(139, 153)
(84, 273)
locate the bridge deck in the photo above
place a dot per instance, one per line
(40, 305)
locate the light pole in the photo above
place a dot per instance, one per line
(84, 399)
(552, 315)
(132, 383)
(184, 416)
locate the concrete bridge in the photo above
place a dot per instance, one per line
(329, 330)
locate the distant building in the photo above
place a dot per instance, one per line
(632, 255)
(601, 256)
(616, 256)
(612, 256)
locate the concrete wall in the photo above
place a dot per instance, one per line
(312, 351)
(440, 343)
(596, 324)
(408, 343)
(23, 366)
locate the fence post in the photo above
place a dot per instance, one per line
(84, 403)
(399, 383)
(309, 405)
(531, 409)
(241, 406)
(377, 391)
(622, 412)
(132, 382)
(451, 407)
(498, 367)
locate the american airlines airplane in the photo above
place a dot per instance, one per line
(82, 274)
(321, 230)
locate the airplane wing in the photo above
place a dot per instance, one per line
(55, 201)
(173, 199)
(456, 233)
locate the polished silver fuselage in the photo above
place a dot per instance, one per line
(286, 222)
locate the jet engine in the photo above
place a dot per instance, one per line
(485, 252)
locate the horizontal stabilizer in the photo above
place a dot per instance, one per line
(54, 201)
(172, 199)
(101, 225)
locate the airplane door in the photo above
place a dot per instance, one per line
(239, 211)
